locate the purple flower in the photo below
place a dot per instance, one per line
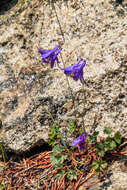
(50, 55)
(80, 141)
(76, 70)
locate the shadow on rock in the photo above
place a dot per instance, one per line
(6, 5)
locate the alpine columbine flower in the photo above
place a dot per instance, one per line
(80, 141)
(76, 70)
(50, 55)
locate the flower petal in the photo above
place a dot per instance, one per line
(76, 141)
(50, 56)
(76, 70)
(80, 141)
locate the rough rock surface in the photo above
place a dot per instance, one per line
(93, 30)
(116, 179)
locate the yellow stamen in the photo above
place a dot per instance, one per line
(47, 59)
(72, 74)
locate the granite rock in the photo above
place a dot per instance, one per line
(30, 91)
(94, 31)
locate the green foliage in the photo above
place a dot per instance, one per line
(72, 174)
(107, 130)
(3, 153)
(99, 165)
(60, 173)
(57, 150)
(58, 157)
(93, 138)
(117, 137)
(109, 143)
(81, 130)
(74, 129)
(53, 135)
(72, 126)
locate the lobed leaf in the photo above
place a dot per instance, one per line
(107, 130)
(117, 137)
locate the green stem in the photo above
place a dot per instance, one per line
(3, 154)
(62, 33)
(51, 116)
(84, 104)
(65, 146)
(59, 133)
(58, 20)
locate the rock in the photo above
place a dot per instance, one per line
(124, 167)
(29, 89)
(5, 5)
(115, 179)
(30, 92)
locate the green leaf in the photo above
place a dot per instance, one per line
(117, 137)
(72, 126)
(72, 175)
(53, 135)
(112, 145)
(103, 165)
(52, 142)
(95, 133)
(91, 139)
(106, 148)
(58, 161)
(95, 165)
(63, 158)
(54, 130)
(107, 130)
(60, 174)
(3, 153)
(107, 140)
(58, 167)
(57, 150)
(53, 159)
(81, 131)
(97, 170)
(100, 146)
(101, 153)
(94, 139)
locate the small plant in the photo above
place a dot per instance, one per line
(91, 155)
(93, 138)
(99, 165)
(54, 135)
(72, 174)
(72, 126)
(58, 157)
(67, 161)
(87, 154)
(109, 143)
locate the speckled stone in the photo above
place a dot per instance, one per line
(93, 30)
